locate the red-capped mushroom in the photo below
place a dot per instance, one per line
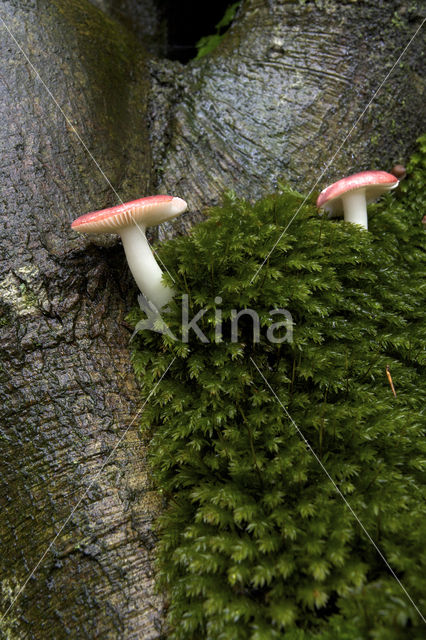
(350, 196)
(130, 220)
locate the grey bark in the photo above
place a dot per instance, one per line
(67, 390)
(145, 19)
(279, 96)
(272, 103)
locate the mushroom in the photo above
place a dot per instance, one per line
(130, 220)
(351, 195)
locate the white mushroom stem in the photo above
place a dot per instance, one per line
(144, 267)
(355, 207)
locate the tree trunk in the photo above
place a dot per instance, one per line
(273, 102)
(282, 92)
(67, 387)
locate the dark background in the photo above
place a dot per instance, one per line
(188, 21)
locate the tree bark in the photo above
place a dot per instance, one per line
(282, 93)
(144, 18)
(67, 388)
(273, 102)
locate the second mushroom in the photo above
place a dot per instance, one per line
(349, 196)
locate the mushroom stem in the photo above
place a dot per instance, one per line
(355, 207)
(144, 267)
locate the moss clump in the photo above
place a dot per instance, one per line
(255, 542)
(207, 44)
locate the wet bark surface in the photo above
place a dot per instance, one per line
(145, 19)
(66, 386)
(273, 102)
(278, 97)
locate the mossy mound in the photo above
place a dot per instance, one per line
(289, 468)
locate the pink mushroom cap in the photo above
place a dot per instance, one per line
(147, 212)
(373, 182)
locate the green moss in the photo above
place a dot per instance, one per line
(207, 44)
(255, 542)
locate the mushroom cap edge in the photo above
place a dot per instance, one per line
(374, 182)
(148, 211)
